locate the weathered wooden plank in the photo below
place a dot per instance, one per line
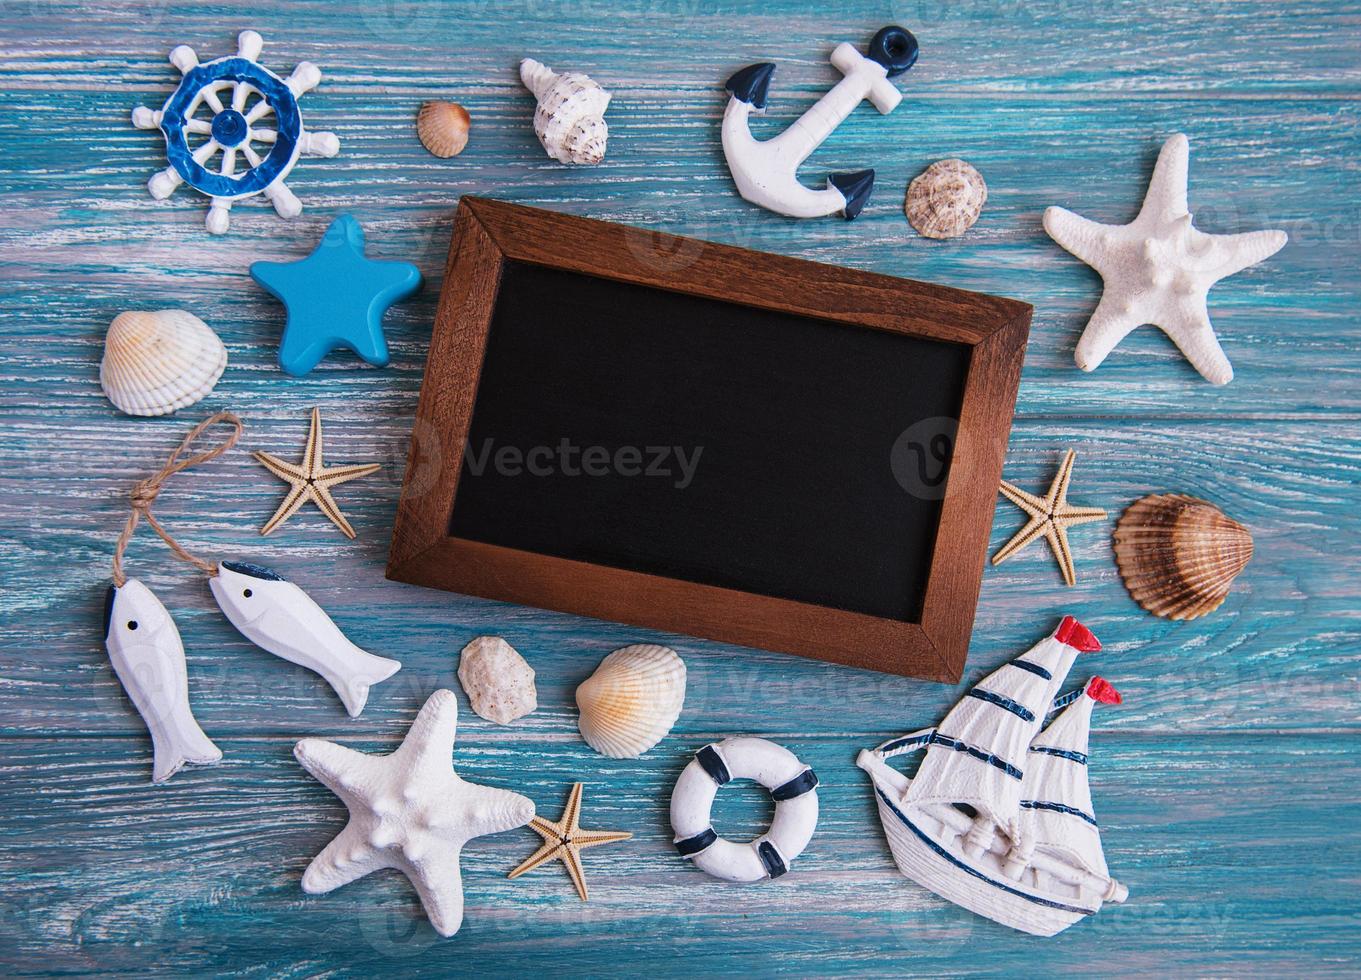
(993, 49)
(1286, 324)
(1281, 653)
(1238, 843)
(1227, 872)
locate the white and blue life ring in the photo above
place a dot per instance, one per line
(792, 785)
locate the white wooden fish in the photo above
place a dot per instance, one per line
(281, 618)
(148, 657)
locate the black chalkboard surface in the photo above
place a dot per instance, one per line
(755, 444)
(703, 439)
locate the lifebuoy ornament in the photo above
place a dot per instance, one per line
(792, 785)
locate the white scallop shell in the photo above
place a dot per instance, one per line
(158, 361)
(946, 199)
(570, 118)
(632, 700)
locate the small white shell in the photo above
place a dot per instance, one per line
(632, 700)
(570, 118)
(946, 199)
(498, 681)
(443, 128)
(158, 361)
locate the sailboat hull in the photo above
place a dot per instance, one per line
(969, 883)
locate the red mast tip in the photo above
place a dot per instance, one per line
(1100, 690)
(1074, 634)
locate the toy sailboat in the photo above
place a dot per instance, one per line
(999, 816)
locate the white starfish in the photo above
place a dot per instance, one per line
(409, 811)
(1159, 268)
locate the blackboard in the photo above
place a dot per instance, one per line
(763, 441)
(741, 446)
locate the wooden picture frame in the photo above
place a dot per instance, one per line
(489, 235)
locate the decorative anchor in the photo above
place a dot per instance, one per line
(765, 171)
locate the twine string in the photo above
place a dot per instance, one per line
(144, 494)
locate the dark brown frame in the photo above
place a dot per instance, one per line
(487, 233)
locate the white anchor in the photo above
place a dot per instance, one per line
(766, 170)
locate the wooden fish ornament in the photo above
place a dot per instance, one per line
(282, 619)
(148, 657)
(144, 645)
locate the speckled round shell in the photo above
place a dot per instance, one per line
(1179, 555)
(498, 681)
(570, 117)
(632, 700)
(158, 361)
(443, 128)
(946, 199)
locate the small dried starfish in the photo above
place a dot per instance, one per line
(1050, 516)
(311, 480)
(564, 840)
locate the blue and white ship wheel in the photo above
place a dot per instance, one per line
(259, 125)
(792, 785)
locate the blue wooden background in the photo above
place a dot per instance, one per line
(1229, 783)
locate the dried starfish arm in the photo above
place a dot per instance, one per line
(328, 506)
(297, 495)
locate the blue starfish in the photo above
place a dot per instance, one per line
(335, 298)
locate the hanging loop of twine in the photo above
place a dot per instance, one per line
(144, 494)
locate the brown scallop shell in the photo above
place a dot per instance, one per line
(1179, 555)
(443, 128)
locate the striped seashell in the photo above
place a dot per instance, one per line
(570, 118)
(158, 361)
(443, 128)
(632, 700)
(946, 199)
(1179, 555)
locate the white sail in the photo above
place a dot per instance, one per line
(977, 755)
(1057, 815)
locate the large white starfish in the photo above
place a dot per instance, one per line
(409, 811)
(1159, 268)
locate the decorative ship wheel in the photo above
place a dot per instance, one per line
(235, 107)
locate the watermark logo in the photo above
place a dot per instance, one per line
(662, 251)
(396, 930)
(403, 21)
(920, 457)
(676, 463)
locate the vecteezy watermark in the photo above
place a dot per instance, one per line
(569, 459)
(920, 457)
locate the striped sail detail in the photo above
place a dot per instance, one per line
(1079, 757)
(1063, 702)
(1056, 812)
(1016, 708)
(1035, 669)
(997, 722)
(1072, 811)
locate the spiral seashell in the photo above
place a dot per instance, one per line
(632, 700)
(158, 361)
(570, 118)
(443, 128)
(1179, 555)
(946, 199)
